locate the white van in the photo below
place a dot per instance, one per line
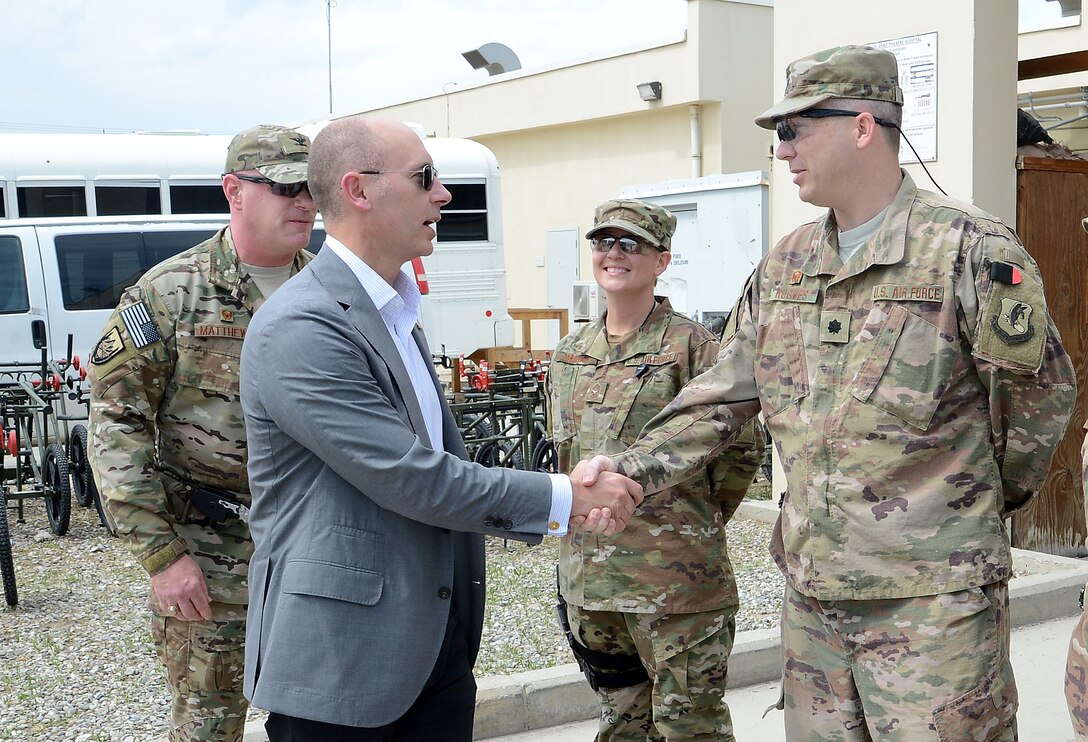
(65, 276)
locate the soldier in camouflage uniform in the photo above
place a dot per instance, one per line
(902, 355)
(652, 609)
(166, 425)
(1076, 665)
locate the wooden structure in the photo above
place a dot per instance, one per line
(1051, 201)
(528, 315)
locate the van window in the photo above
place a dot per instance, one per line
(198, 199)
(464, 218)
(123, 200)
(52, 201)
(13, 293)
(95, 269)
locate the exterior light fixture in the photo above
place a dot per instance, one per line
(649, 91)
(495, 58)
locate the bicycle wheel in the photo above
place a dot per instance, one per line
(78, 467)
(7, 564)
(545, 457)
(58, 492)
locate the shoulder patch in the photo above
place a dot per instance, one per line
(1012, 326)
(141, 328)
(108, 347)
(1012, 321)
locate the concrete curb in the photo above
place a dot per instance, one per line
(510, 704)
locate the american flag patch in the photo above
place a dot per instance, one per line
(141, 328)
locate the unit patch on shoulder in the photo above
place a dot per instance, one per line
(141, 328)
(1012, 322)
(109, 346)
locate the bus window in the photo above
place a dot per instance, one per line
(198, 199)
(13, 294)
(3, 202)
(52, 201)
(464, 218)
(124, 200)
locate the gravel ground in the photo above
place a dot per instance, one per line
(76, 662)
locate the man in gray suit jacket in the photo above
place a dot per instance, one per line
(366, 584)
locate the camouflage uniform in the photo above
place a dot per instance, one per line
(664, 587)
(916, 396)
(1076, 665)
(166, 417)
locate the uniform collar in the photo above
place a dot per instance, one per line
(225, 269)
(647, 339)
(886, 247)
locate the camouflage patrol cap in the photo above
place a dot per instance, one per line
(277, 153)
(861, 72)
(648, 221)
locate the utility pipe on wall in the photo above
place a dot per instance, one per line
(696, 142)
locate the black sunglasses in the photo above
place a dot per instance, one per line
(629, 245)
(786, 133)
(428, 172)
(288, 190)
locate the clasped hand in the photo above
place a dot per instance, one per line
(603, 499)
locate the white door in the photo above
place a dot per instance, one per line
(22, 295)
(561, 246)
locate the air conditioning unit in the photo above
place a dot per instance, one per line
(589, 301)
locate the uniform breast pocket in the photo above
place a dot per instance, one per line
(645, 397)
(561, 419)
(908, 369)
(781, 373)
(208, 365)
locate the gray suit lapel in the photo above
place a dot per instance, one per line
(358, 308)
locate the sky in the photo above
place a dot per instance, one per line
(220, 66)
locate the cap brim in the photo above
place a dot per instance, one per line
(288, 172)
(626, 226)
(789, 107)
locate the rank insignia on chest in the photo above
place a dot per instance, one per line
(834, 327)
(796, 276)
(226, 315)
(595, 393)
(1012, 323)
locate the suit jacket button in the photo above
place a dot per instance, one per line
(489, 521)
(508, 524)
(444, 593)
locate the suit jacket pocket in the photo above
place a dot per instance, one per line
(336, 581)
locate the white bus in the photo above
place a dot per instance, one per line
(75, 210)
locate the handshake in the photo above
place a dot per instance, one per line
(603, 500)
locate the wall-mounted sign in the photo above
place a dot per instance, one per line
(917, 58)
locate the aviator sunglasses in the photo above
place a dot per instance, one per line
(427, 172)
(629, 245)
(288, 190)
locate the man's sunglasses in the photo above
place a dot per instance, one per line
(786, 133)
(427, 172)
(288, 190)
(629, 245)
